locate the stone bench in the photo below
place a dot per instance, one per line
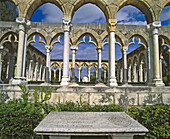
(64, 125)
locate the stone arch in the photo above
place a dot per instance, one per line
(33, 35)
(164, 40)
(34, 4)
(143, 37)
(99, 3)
(143, 6)
(93, 65)
(7, 34)
(87, 34)
(58, 35)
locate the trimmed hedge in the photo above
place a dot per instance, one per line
(155, 118)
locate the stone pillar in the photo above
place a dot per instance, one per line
(89, 74)
(40, 72)
(7, 71)
(134, 72)
(99, 80)
(73, 49)
(111, 30)
(104, 75)
(29, 72)
(160, 63)
(154, 53)
(148, 65)
(43, 73)
(66, 27)
(35, 71)
(169, 68)
(54, 74)
(48, 59)
(59, 74)
(124, 50)
(11, 66)
(1, 50)
(79, 74)
(21, 55)
(129, 74)
(141, 71)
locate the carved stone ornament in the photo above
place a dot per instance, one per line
(66, 24)
(152, 26)
(74, 48)
(48, 48)
(111, 25)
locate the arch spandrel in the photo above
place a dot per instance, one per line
(143, 5)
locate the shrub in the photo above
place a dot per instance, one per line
(155, 118)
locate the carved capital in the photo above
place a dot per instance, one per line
(124, 49)
(23, 23)
(66, 24)
(75, 48)
(48, 48)
(99, 48)
(153, 27)
(111, 25)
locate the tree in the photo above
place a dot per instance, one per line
(8, 11)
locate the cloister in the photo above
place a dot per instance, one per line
(22, 63)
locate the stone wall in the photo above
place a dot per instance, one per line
(127, 96)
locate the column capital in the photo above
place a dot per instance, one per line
(48, 48)
(66, 24)
(99, 48)
(23, 23)
(124, 49)
(74, 48)
(169, 51)
(111, 25)
(152, 26)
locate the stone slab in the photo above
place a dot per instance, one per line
(92, 123)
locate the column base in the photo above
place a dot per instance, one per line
(65, 81)
(73, 84)
(100, 85)
(19, 80)
(113, 82)
(156, 82)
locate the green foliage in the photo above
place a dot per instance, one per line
(85, 107)
(8, 11)
(156, 118)
(25, 93)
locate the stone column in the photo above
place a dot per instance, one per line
(29, 72)
(124, 50)
(7, 71)
(160, 63)
(111, 30)
(129, 74)
(141, 71)
(35, 71)
(89, 74)
(154, 53)
(43, 73)
(79, 74)
(99, 50)
(59, 74)
(134, 72)
(1, 50)
(73, 49)
(104, 75)
(21, 55)
(54, 74)
(169, 68)
(48, 59)
(40, 72)
(66, 27)
(148, 64)
(11, 66)
(118, 75)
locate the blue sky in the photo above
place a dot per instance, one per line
(90, 13)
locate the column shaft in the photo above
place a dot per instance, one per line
(124, 50)
(99, 65)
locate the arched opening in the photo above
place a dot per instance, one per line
(8, 11)
(165, 16)
(93, 74)
(89, 13)
(131, 15)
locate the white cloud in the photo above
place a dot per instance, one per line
(51, 12)
(131, 15)
(89, 13)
